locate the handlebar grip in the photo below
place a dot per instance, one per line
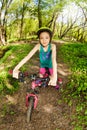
(21, 74)
(21, 77)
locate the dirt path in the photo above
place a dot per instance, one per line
(52, 113)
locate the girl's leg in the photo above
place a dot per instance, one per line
(42, 72)
(51, 71)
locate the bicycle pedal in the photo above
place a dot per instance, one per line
(57, 87)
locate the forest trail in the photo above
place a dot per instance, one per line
(52, 113)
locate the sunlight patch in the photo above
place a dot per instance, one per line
(11, 99)
(63, 71)
(48, 108)
(2, 67)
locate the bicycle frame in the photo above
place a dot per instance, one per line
(36, 83)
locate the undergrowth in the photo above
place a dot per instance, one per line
(75, 55)
(11, 58)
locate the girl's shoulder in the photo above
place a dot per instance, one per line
(37, 46)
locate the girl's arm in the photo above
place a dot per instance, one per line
(54, 61)
(22, 62)
(53, 80)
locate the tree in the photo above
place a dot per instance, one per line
(48, 12)
(74, 27)
(65, 28)
(23, 9)
(83, 27)
(56, 9)
(3, 20)
(39, 13)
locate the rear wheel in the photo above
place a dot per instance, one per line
(30, 108)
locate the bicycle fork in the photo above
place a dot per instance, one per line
(35, 97)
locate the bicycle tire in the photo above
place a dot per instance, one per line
(30, 109)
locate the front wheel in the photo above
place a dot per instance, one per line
(30, 108)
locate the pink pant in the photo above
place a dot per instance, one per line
(43, 70)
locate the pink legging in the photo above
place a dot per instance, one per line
(43, 70)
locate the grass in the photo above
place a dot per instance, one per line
(75, 55)
(10, 59)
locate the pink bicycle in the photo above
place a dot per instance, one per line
(31, 96)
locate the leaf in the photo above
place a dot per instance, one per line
(79, 108)
(86, 112)
(70, 103)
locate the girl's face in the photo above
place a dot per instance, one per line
(44, 38)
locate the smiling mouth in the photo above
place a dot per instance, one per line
(44, 45)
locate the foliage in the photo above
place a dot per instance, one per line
(75, 54)
(14, 54)
(24, 16)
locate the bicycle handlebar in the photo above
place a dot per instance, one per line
(38, 80)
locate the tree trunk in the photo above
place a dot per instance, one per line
(39, 13)
(22, 19)
(2, 35)
(54, 23)
(3, 22)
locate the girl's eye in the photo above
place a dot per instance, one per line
(41, 38)
(44, 38)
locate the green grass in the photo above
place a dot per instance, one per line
(75, 55)
(11, 58)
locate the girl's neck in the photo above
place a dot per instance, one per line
(45, 48)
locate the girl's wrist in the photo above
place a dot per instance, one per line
(15, 69)
(55, 76)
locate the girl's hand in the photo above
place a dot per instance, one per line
(15, 73)
(53, 81)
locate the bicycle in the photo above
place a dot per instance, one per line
(31, 96)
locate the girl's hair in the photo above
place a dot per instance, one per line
(44, 29)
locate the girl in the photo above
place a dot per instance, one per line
(47, 55)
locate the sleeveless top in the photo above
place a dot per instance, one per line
(45, 57)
